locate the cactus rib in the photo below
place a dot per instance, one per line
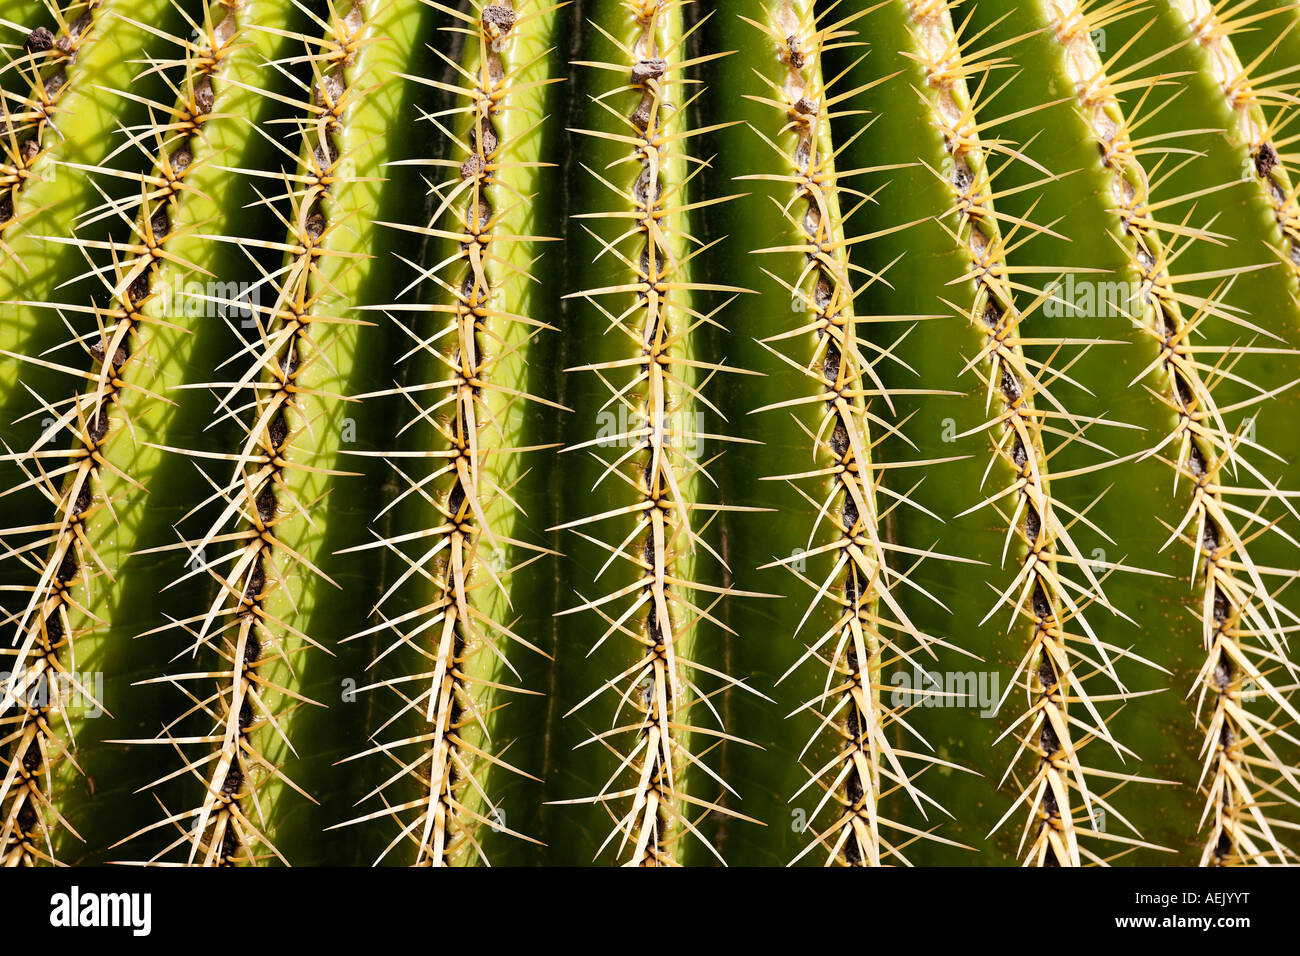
(476, 344)
(661, 687)
(1234, 605)
(247, 626)
(48, 59)
(93, 485)
(1041, 596)
(1250, 97)
(857, 646)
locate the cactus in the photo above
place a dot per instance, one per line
(649, 432)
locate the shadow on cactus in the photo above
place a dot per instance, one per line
(649, 432)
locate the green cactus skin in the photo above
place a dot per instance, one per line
(516, 433)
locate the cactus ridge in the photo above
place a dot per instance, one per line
(469, 483)
(90, 486)
(1264, 105)
(44, 68)
(1240, 615)
(859, 643)
(243, 635)
(661, 688)
(1055, 671)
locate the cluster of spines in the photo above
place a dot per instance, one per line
(1263, 105)
(654, 809)
(858, 643)
(467, 483)
(87, 483)
(1239, 614)
(239, 635)
(43, 67)
(1062, 716)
